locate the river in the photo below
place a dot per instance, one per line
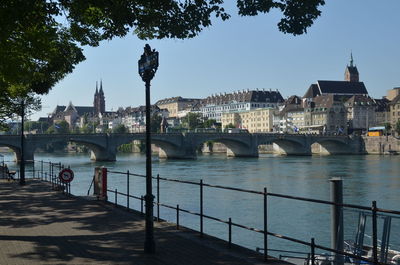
(365, 178)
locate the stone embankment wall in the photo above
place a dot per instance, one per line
(381, 145)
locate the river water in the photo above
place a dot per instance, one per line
(365, 178)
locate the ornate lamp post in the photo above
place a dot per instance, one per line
(148, 65)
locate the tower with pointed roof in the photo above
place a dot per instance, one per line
(99, 102)
(351, 72)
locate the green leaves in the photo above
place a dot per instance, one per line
(298, 15)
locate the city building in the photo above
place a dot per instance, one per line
(76, 116)
(346, 89)
(392, 93)
(291, 117)
(394, 106)
(360, 113)
(325, 114)
(214, 106)
(255, 121)
(382, 111)
(134, 118)
(176, 105)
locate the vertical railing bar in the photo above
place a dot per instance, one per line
(230, 232)
(41, 168)
(127, 189)
(201, 207)
(158, 197)
(177, 216)
(115, 195)
(265, 224)
(374, 233)
(141, 204)
(312, 251)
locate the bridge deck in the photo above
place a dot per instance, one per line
(39, 226)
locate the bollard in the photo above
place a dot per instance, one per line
(337, 219)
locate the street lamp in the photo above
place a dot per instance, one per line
(148, 65)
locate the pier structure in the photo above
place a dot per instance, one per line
(185, 145)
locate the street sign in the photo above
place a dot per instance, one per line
(66, 175)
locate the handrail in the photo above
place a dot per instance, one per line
(264, 193)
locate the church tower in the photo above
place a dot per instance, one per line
(351, 73)
(99, 102)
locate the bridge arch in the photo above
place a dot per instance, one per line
(98, 152)
(16, 150)
(331, 147)
(237, 145)
(290, 147)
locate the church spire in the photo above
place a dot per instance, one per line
(351, 59)
(101, 87)
(97, 92)
(351, 74)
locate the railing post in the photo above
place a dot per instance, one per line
(115, 195)
(265, 224)
(312, 251)
(127, 189)
(158, 197)
(374, 234)
(201, 207)
(337, 219)
(41, 168)
(177, 216)
(141, 204)
(230, 232)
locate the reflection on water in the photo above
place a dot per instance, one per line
(366, 178)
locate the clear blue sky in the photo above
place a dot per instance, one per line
(245, 53)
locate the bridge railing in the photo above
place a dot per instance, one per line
(312, 257)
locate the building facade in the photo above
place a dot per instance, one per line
(176, 105)
(214, 106)
(255, 121)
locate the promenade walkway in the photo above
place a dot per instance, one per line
(40, 226)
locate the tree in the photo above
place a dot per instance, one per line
(388, 127)
(40, 127)
(192, 121)
(11, 107)
(155, 123)
(61, 127)
(210, 123)
(230, 125)
(120, 129)
(41, 41)
(397, 127)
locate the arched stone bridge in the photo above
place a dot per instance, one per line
(184, 146)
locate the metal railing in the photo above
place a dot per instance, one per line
(45, 171)
(373, 209)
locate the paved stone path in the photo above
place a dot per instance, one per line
(40, 226)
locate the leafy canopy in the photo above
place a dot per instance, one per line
(40, 40)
